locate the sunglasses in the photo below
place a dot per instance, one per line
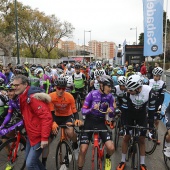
(61, 88)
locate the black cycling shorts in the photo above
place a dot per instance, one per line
(139, 117)
(81, 92)
(91, 123)
(62, 120)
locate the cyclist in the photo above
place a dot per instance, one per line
(133, 107)
(158, 86)
(63, 109)
(115, 77)
(79, 80)
(97, 101)
(130, 71)
(34, 81)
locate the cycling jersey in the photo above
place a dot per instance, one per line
(69, 72)
(118, 93)
(136, 104)
(45, 83)
(98, 73)
(79, 80)
(114, 78)
(34, 81)
(63, 106)
(96, 97)
(158, 87)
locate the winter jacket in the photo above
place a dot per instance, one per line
(36, 114)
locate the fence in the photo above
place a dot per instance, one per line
(41, 61)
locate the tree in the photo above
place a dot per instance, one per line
(141, 39)
(54, 30)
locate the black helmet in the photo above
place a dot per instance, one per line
(77, 65)
(61, 82)
(106, 80)
(19, 67)
(18, 71)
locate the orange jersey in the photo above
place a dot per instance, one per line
(63, 106)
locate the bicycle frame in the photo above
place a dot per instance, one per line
(14, 147)
(100, 151)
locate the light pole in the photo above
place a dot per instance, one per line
(136, 33)
(16, 27)
(84, 42)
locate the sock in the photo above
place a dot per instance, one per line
(107, 156)
(142, 160)
(44, 160)
(123, 157)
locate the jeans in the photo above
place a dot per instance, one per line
(32, 157)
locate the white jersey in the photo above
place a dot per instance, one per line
(156, 85)
(69, 72)
(96, 84)
(140, 99)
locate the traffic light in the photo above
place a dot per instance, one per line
(119, 45)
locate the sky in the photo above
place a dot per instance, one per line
(108, 20)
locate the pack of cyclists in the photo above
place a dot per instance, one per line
(102, 89)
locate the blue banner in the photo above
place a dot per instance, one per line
(153, 27)
(165, 104)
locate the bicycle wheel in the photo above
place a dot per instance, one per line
(135, 164)
(166, 159)
(78, 102)
(117, 130)
(96, 161)
(151, 144)
(65, 158)
(7, 154)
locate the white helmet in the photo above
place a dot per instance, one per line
(157, 71)
(138, 73)
(98, 63)
(99, 72)
(121, 80)
(133, 82)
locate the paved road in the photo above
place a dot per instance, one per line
(153, 162)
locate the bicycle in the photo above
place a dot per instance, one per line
(65, 158)
(78, 101)
(98, 148)
(166, 158)
(12, 152)
(133, 146)
(151, 143)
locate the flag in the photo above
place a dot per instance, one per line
(153, 27)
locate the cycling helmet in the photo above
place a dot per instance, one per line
(157, 71)
(120, 72)
(32, 69)
(19, 67)
(99, 73)
(139, 74)
(106, 80)
(18, 71)
(77, 66)
(9, 87)
(38, 71)
(121, 80)
(133, 82)
(130, 67)
(98, 64)
(61, 82)
(1, 80)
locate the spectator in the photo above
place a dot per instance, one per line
(9, 75)
(143, 68)
(137, 68)
(37, 120)
(10, 67)
(150, 68)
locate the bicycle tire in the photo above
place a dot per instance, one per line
(135, 162)
(117, 130)
(96, 161)
(67, 159)
(3, 148)
(166, 159)
(151, 144)
(129, 151)
(78, 102)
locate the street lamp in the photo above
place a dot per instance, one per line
(136, 33)
(16, 27)
(84, 41)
